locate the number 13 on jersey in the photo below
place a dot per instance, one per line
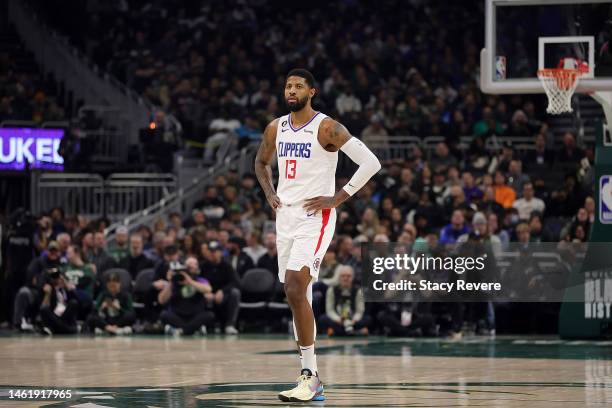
(290, 166)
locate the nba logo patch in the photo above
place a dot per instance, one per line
(605, 199)
(316, 264)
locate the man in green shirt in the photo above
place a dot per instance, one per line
(82, 276)
(114, 312)
(119, 249)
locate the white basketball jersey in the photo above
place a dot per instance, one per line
(305, 168)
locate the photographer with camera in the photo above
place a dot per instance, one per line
(184, 298)
(28, 298)
(114, 312)
(59, 305)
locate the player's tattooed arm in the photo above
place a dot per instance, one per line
(333, 135)
(263, 161)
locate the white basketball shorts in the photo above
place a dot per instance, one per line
(302, 239)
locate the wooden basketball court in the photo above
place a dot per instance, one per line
(219, 371)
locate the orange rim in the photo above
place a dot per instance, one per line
(565, 78)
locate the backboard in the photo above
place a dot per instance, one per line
(522, 36)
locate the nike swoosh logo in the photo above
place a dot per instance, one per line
(351, 185)
(284, 130)
(308, 131)
(310, 214)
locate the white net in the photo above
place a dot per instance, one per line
(559, 85)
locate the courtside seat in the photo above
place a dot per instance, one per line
(256, 287)
(142, 285)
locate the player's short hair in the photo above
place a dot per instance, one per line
(302, 73)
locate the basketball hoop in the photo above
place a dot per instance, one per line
(560, 84)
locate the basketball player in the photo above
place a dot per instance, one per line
(306, 144)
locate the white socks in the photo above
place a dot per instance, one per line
(308, 358)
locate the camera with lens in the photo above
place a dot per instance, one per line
(177, 268)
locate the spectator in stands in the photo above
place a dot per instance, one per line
(156, 252)
(456, 200)
(82, 277)
(345, 251)
(87, 242)
(59, 307)
(269, 260)
(489, 204)
(541, 158)
(369, 223)
(495, 230)
(375, 133)
(515, 178)
(63, 241)
(248, 132)
(211, 205)
(114, 313)
(518, 125)
(237, 258)
(171, 255)
(589, 206)
(504, 194)
(451, 232)
(570, 154)
(523, 234)
(28, 298)
(98, 255)
(347, 102)
(488, 126)
(43, 233)
(443, 159)
(580, 222)
(529, 203)
(136, 261)
(566, 200)
(472, 193)
(189, 246)
(255, 250)
(176, 220)
(345, 307)
(184, 296)
(146, 234)
(224, 282)
(502, 162)
(536, 228)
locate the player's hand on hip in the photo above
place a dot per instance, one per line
(274, 201)
(318, 203)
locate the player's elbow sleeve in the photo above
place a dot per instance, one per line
(368, 163)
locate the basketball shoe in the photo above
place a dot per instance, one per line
(309, 388)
